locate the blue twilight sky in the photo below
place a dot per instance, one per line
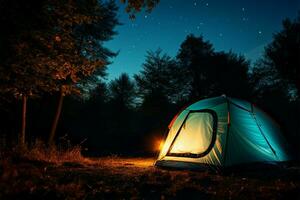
(243, 26)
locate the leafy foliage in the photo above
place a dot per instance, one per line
(54, 46)
(55, 50)
(134, 6)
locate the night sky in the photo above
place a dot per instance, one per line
(243, 26)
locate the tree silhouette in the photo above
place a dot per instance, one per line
(159, 78)
(210, 73)
(122, 92)
(159, 89)
(100, 93)
(195, 56)
(229, 75)
(265, 77)
(283, 52)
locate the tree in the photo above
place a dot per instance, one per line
(158, 91)
(48, 50)
(22, 53)
(99, 94)
(264, 77)
(229, 75)
(121, 116)
(122, 92)
(195, 56)
(159, 79)
(94, 24)
(283, 53)
(209, 73)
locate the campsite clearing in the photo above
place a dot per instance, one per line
(137, 178)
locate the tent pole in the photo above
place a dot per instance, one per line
(227, 134)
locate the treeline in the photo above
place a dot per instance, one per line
(130, 114)
(61, 58)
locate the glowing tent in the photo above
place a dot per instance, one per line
(221, 132)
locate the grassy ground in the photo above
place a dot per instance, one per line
(136, 178)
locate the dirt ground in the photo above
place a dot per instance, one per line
(137, 178)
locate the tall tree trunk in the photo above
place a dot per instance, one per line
(56, 118)
(23, 127)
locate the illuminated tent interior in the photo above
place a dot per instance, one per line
(221, 132)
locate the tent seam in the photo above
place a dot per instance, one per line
(260, 130)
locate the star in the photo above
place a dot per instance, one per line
(195, 3)
(146, 16)
(260, 32)
(243, 9)
(206, 4)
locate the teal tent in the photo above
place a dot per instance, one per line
(222, 132)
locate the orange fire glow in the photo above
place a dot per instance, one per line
(159, 143)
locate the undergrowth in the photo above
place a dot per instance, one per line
(56, 154)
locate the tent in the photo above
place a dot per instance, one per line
(221, 132)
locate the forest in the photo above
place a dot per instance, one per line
(54, 89)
